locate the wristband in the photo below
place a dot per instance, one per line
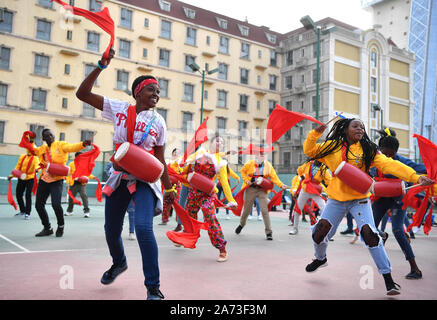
(100, 66)
(173, 189)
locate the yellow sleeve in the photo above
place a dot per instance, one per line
(223, 177)
(245, 172)
(301, 169)
(396, 168)
(310, 145)
(232, 174)
(91, 176)
(274, 177)
(72, 147)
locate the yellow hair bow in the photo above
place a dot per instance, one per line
(387, 130)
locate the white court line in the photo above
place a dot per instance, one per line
(14, 243)
(46, 251)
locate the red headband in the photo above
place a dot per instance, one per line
(143, 84)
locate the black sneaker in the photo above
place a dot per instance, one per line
(393, 289)
(60, 231)
(238, 230)
(44, 232)
(412, 236)
(269, 236)
(414, 275)
(154, 294)
(384, 237)
(313, 266)
(113, 272)
(347, 231)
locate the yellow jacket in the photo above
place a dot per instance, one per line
(304, 170)
(269, 172)
(70, 179)
(337, 190)
(221, 169)
(59, 154)
(23, 164)
(294, 184)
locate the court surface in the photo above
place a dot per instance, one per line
(70, 267)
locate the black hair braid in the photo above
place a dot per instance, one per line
(388, 141)
(336, 138)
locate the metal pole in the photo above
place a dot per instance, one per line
(318, 73)
(201, 101)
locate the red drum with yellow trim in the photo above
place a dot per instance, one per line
(82, 179)
(200, 182)
(139, 162)
(354, 177)
(264, 183)
(19, 174)
(388, 188)
(57, 169)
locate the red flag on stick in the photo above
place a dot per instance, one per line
(11, 197)
(281, 120)
(200, 136)
(102, 19)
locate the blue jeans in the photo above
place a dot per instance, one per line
(115, 209)
(131, 213)
(183, 199)
(258, 210)
(398, 215)
(361, 211)
(350, 221)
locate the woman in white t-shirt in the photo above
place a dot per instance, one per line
(149, 133)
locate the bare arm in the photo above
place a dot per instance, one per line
(84, 92)
(165, 179)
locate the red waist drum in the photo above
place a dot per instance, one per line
(264, 183)
(354, 177)
(19, 174)
(82, 179)
(388, 188)
(201, 182)
(139, 162)
(57, 169)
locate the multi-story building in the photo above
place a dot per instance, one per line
(412, 24)
(362, 74)
(44, 60)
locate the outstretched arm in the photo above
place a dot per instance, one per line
(84, 92)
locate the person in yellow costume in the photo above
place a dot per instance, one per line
(75, 187)
(312, 173)
(253, 169)
(209, 164)
(51, 185)
(347, 141)
(233, 175)
(28, 164)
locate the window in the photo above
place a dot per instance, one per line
(373, 86)
(166, 29)
(126, 18)
(289, 57)
(190, 13)
(314, 103)
(288, 105)
(272, 82)
(314, 73)
(222, 23)
(244, 76)
(271, 38)
(43, 29)
(258, 79)
(86, 135)
(164, 5)
(224, 45)
(244, 30)
(222, 97)
(302, 79)
(3, 94)
(64, 103)
(260, 54)
(5, 57)
(272, 105)
(93, 41)
(69, 35)
(41, 66)
(289, 82)
(242, 128)
(88, 69)
(208, 40)
(187, 121)
(244, 102)
(38, 131)
(374, 134)
(315, 49)
(163, 86)
(61, 136)
(164, 58)
(188, 92)
(245, 49)
(191, 36)
(221, 124)
(6, 22)
(144, 53)
(39, 97)
(146, 22)
(72, 3)
(223, 71)
(162, 113)
(88, 110)
(287, 159)
(45, 3)
(124, 49)
(189, 59)
(258, 105)
(95, 5)
(122, 80)
(373, 59)
(273, 58)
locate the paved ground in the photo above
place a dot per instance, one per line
(70, 267)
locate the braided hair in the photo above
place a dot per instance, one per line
(388, 141)
(336, 139)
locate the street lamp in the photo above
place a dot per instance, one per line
(309, 24)
(196, 68)
(377, 107)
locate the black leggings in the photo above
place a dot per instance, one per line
(53, 189)
(24, 186)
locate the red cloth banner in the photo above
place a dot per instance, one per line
(200, 136)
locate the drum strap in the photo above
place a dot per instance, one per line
(131, 122)
(21, 163)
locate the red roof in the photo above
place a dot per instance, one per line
(208, 19)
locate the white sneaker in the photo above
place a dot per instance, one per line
(293, 231)
(26, 217)
(228, 217)
(19, 214)
(250, 218)
(86, 215)
(68, 213)
(259, 218)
